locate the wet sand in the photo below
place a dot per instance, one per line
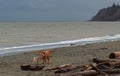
(9, 65)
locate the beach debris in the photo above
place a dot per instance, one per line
(35, 60)
(66, 69)
(31, 67)
(83, 73)
(100, 67)
(96, 60)
(114, 55)
(65, 65)
(45, 55)
(58, 67)
(72, 44)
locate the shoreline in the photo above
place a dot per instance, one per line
(83, 54)
(29, 48)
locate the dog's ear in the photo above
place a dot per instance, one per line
(48, 50)
(38, 51)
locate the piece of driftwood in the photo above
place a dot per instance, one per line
(88, 73)
(100, 67)
(96, 60)
(31, 67)
(58, 67)
(111, 71)
(107, 71)
(95, 67)
(69, 74)
(63, 70)
(114, 55)
(107, 67)
(83, 73)
(65, 65)
(66, 69)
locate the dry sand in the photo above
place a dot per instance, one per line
(9, 65)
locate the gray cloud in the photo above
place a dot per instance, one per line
(41, 10)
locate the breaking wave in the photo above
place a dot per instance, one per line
(28, 48)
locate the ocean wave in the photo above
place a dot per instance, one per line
(27, 48)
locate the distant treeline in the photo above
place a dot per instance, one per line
(111, 13)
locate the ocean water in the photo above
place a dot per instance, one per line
(28, 36)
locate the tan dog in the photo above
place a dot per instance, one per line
(45, 55)
(35, 60)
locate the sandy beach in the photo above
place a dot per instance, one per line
(10, 65)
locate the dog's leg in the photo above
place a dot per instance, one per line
(35, 60)
(48, 58)
(43, 60)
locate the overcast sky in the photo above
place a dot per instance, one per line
(51, 10)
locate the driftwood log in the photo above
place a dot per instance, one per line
(100, 67)
(83, 73)
(67, 69)
(106, 66)
(114, 55)
(31, 67)
(58, 67)
(96, 60)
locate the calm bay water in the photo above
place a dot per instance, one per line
(29, 33)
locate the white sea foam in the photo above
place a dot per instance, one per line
(27, 48)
